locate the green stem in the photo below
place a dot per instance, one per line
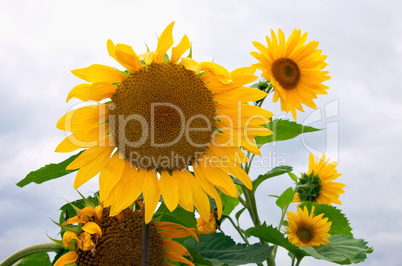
(237, 229)
(298, 261)
(39, 248)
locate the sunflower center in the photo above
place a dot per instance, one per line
(305, 235)
(286, 72)
(120, 244)
(163, 117)
(309, 188)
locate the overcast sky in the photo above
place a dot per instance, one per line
(42, 41)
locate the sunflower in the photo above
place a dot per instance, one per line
(117, 240)
(317, 185)
(209, 227)
(172, 127)
(294, 69)
(308, 230)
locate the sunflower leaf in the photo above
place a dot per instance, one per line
(341, 249)
(274, 236)
(340, 224)
(179, 216)
(279, 170)
(220, 249)
(286, 198)
(48, 172)
(283, 130)
(228, 203)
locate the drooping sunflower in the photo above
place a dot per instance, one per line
(294, 68)
(317, 185)
(209, 227)
(307, 230)
(117, 240)
(166, 118)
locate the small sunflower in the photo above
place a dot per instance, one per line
(209, 227)
(117, 240)
(294, 69)
(307, 230)
(172, 127)
(317, 185)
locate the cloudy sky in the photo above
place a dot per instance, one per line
(42, 41)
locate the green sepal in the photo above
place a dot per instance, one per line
(279, 170)
(48, 172)
(292, 176)
(58, 242)
(283, 130)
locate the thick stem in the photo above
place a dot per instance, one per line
(146, 240)
(39, 248)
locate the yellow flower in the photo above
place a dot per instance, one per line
(165, 118)
(317, 185)
(204, 227)
(293, 68)
(308, 230)
(117, 240)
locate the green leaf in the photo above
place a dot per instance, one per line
(38, 259)
(48, 172)
(286, 198)
(283, 130)
(341, 249)
(179, 216)
(228, 203)
(293, 176)
(197, 258)
(221, 249)
(239, 213)
(274, 236)
(279, 170)
(340, 224)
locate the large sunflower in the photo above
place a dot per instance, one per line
(116, 240)
(307, 230)
(165, 118)
(317, 185)
(294, 69)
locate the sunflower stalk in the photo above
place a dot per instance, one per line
(38, 248)
(146, 241)
(237, 227)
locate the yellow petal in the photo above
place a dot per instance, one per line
(67, 258)
(244, 94)
(92, 92)
(174, 246)
(177, 257)
(110, 175)
(68, 236)
(126, 55)
(208, 187)
(179, 50)
(217, 177)
(170, 190)
(147, 58)
(185, 193)
(223, 75)
(99, 73)
(84, 118)
(92, 228)
(130, 185)
(191, 64)
(151, 194)
(165, 41)
(200, 199)
(172, 230)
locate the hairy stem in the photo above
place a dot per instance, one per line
(39, 248)
(238, 229)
